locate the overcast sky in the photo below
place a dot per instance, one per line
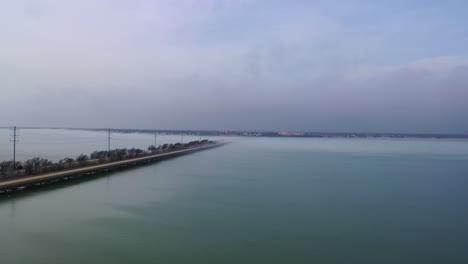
(351, 65)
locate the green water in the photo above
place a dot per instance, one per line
(257, 200)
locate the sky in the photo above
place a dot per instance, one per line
(338, 66)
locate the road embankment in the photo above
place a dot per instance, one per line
(37, 180)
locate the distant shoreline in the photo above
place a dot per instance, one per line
(283, 134)
(278, 134)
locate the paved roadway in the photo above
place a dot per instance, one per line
(49, 176)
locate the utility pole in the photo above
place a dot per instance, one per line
(14, 140)
(108, 140)
(155, 138)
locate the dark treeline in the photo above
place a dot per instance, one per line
(323, 134)
(41, 165)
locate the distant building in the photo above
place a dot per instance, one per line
(291, 134)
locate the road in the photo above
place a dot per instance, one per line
(14, 183)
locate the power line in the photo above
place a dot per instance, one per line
(155, 133)
(49, 137)
(61, 143)
(108, 139)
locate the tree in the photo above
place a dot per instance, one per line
(99, 155)
(28, 167)
(82, 158)
(6, 168)
(118, 154)
(138, 152)
(152, 148)
(132, 152)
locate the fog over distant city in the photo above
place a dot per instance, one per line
(377, 66)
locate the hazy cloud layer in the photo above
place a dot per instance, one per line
(226, 64)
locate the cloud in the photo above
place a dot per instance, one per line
(229, 64)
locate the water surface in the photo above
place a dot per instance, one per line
(257, 200)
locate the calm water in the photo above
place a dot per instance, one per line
(257, 200)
